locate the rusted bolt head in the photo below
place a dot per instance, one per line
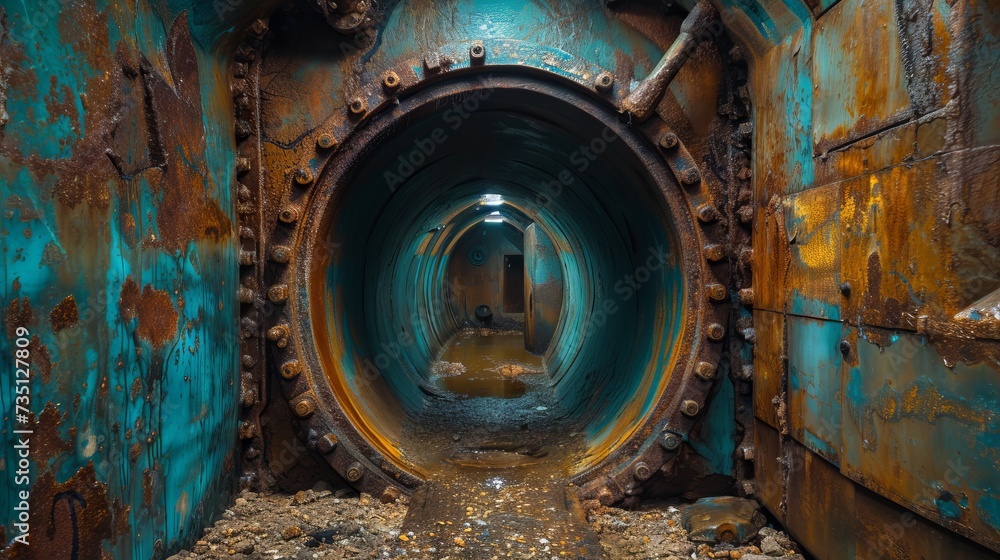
(642, 471)
(243, 193)
(242, 165)
(277, 293)
(290, 370)
(356, 106)
(248, 360)
(354, 472)
(691, 176)
(390, 80)
(246, 429)
(432, 63)
(605, 496)
(249, 326)
(668, 140)
(707, 213)
(303, 176)
(716, 292)
(288, 214)
(670, 441)
(477, 52)
(326, 141)
(715, 331)
(390, 495)
(327, 444)
(746, 372)
(245, 295)
(714, 252)
(304, 407)
(690, 408)
(747, 452)
(726, 532)
(845, 347)
(749, 335)
(604, 81)
(278, 334)
(746, 296)
(247, 258)
(281, 254)
(704, 370)
(259, 27)
(845, 289)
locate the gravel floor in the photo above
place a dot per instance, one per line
(324, 524)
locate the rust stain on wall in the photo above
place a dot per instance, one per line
(46, 443)
(155, 311)
(187, 211)
(74, 518)
(18, 313)
(41, 359)
(65, 314)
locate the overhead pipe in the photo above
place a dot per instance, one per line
(695, 29)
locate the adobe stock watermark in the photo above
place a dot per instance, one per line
(579, 161)
(933, 496)
(21, 470)
(38, 17)
(411, 161)
(627, 287)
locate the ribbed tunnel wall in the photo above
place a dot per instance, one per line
(383, 310)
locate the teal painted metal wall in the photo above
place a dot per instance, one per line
(116, 159)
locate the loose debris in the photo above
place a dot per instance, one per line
(323, 524)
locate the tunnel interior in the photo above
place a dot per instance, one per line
(422, 191)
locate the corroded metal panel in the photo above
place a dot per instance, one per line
(922, 429)
(769, 471)
(885, 531)
(769, 366)
(859, 73)
(817, 491)
(900, 208)
(773, 257)
(115, 169)
(814, 400)
(812, 227)
(919, 277)
(783, 161)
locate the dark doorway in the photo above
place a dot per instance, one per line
(513, 283)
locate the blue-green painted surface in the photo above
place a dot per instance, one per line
(146, 395)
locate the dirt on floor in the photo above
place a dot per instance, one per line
(322, 523)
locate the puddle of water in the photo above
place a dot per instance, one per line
(484, 363)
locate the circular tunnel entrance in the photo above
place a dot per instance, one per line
(612, 301)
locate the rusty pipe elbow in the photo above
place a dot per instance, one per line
(644, 98)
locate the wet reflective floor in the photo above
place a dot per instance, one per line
(485, 363)
(502, 451)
